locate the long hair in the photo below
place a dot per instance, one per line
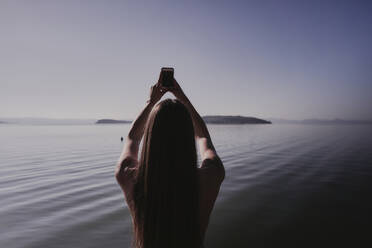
(166, 187)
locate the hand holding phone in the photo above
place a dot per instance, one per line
(166, 77)
(177, 91)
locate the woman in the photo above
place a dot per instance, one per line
(169, 197)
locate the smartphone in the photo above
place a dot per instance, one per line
(166, 76)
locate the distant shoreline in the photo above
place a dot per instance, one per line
(323, 122)
(210, 119)
(111, 121)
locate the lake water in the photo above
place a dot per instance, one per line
(285, 186)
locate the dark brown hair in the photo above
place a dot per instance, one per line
(166, 188)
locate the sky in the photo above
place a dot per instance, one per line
(268, 59)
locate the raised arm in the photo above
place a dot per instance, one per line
(202, 136)
(206, 148)
(129, 154)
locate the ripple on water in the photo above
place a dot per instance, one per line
(58, 189)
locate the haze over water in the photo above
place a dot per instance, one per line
(285, 186)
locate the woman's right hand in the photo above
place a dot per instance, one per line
(178, 92)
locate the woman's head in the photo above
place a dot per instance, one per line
(169, 134)
(166, 190)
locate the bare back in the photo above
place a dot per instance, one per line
(210, 175)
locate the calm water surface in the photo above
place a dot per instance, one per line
(285, 186)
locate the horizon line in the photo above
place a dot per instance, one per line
(274, 118)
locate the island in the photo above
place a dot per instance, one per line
(233, 119)
(210, 119)
(112, 121)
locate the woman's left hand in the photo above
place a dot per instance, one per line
(156, 93)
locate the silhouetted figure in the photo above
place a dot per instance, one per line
(121, 139)
(169, 197)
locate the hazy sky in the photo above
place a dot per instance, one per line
(97, 59)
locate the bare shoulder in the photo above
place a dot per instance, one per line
(212, 169)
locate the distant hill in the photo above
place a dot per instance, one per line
(111, 121)
(233, 119)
